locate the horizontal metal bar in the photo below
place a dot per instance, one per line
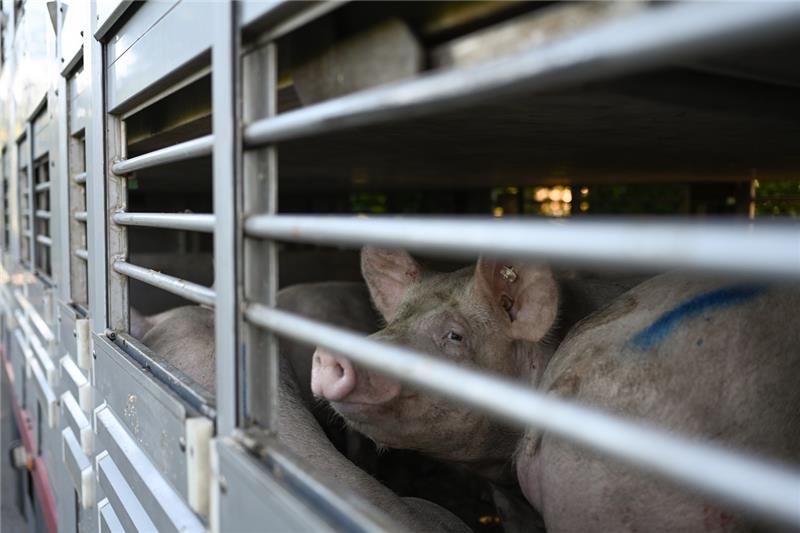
(717, 245)
(44, 239)
(184, 289)
(763, 487)
(177, 152)
(664, 35)
(82, 254)
(80, 178)
(180, 221)
(42, 214)
(81, 216)
(44, 186)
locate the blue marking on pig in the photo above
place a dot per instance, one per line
(656, 332)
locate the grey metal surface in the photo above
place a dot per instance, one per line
(199, 147)
(152, 414)
(96, 182)
(29, 148)
(226, 150)
(116, 235)
(109, 523)
(108, 13)
(184, 289)
(755, 484)
(123, 502)
(260, 268)
(74, 382)
(45, 394)
(160, 54)
(252, 500)
(74, 418)
(66, 329)
(647, 40)
(162, 503)
(190, 222)
(42, 328)
(78, 468)
(771, 249)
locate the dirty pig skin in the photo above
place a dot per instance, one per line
(712, 359)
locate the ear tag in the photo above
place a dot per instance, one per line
(508, 273)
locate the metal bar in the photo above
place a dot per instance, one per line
(42, 214)
(185, 289)
(733, 247)
(189, 222)
(81, 216)
(44, 239)
(44, 186)
(31, 204)
(763, 487)
(82, 254)
(80, 178)
(260, 272)
(177, 152)
(97, 265)
(225, 94)
(665, 35)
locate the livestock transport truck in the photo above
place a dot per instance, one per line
(166, 153)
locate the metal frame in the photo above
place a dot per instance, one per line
(671, 33)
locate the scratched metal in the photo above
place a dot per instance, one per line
(152, 414)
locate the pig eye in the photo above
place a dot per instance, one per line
(453, 336)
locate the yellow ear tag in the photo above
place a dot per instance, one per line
(508, 273)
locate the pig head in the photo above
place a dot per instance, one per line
(494, 316)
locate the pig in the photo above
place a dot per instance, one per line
(709, 358)
(184, 336)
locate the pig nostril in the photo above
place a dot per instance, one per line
(339, 370)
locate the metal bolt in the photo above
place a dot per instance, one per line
(223, 484)
(182, 443)
(112, 335)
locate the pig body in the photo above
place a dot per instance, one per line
(184, 336)
(711, 359)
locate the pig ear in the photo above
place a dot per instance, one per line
(388, 273)
(526, 294)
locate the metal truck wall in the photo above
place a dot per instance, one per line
(119, 440)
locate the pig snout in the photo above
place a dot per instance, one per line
(332, 378)
(338, 380)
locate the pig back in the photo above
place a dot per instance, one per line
(709, 359)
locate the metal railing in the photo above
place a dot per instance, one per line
(81, 216)
(746, 248)
(201, 146)
(185, 289)
(653, 38)
(760, 486)
(177, 221)
(80, 178)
